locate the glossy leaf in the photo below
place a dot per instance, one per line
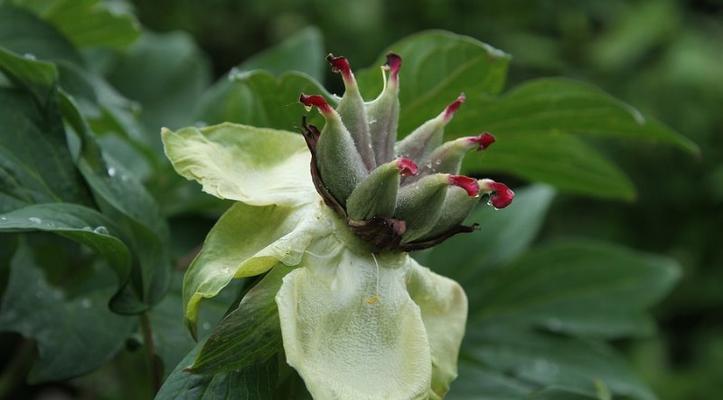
(74, 330)
(81, 224)
(90, 23)
(561, 160)
(579, 287)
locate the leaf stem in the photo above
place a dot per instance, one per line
(153, 367)
(17, 368)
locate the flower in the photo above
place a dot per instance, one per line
(337, 209)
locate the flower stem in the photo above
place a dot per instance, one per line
(153, 367)
(17, 368)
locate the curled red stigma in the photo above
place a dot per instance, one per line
(483, 141)
(470, 185)
(453, 107)
(394, 64)
(501, 196)
(407, 167)
(340, 65)
(317, 101)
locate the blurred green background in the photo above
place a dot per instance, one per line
(663, 57)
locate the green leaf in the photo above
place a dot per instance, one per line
(81, 224)
(259, 99)
(24, 33)
(479, 382)
(579, 287)
(561, 394)
(175, 73)
(504, 235)
(74, 330)
(35, 164)
(559, 159)
(437, 67)
(37, 76)
(92, 23)
(303, 52)
(548, 360)
(547, 106)
(248, 335)
(253, 383)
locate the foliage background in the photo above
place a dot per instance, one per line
(663, 57)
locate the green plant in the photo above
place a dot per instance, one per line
(80, 161)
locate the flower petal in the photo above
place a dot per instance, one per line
(248, 241)
(350, 328)
(256, 166)
(444, 312)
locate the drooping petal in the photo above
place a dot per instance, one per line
(444, 312)
(247, 241)
(350, 328)
(256, 166)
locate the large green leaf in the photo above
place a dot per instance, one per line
(437, 67)
(69, 320)
(82, 224)
(24, 33)
(88, 23)
(547, 360)
(579, 287)
(303, 52)
(174, 74)
(553, 105)
(35, 164)
(248, 335)
(258, 98)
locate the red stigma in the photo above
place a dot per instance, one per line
(407, 167)
(502, 195)
(453, 107)
(470, 185)
(315, 101)
(394, 64)
(483, 141)
(339, 65)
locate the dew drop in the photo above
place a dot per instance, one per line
(111, 171)
(86, 303)
(205, 326)
(3, 219)
(102, 230)
(35, 220)
(30, 56)
(200, 124)
(372, 121)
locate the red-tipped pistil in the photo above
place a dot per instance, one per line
(501, 196)
(452, 108)
(394, 64)
(340, 65)
(483, 141)
(470, 185)
(316, 101)
(407, 167)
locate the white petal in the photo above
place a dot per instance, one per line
(444, 312)
(350, 328)
(256, 166)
